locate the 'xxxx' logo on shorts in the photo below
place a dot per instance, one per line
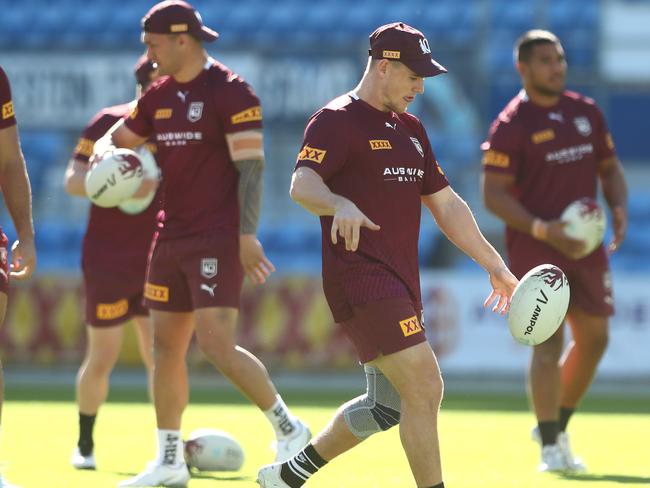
(156, 293)
(410, 326)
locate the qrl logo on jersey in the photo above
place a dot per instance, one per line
(195, 111)
(209, 267)
(410, 326)
(417, 145)
(583, 126)
(312, 154)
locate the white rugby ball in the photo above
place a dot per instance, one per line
(539, 304)
(213, 450)
(134, 206)
(586, 221)
(114, 177)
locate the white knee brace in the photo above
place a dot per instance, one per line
(378, 409)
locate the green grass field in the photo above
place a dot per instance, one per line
(485, 442)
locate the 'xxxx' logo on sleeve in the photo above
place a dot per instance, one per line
(410, 326)
(312, 154)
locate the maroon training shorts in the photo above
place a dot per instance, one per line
(384, 327)
(112, 298)
(198, 271)
(591, 284)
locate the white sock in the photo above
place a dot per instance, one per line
(283, 422)
(170, 447)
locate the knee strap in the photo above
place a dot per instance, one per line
(378, 409)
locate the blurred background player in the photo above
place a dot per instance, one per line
(207, 124)
(114, 261)
(547, 148)
(347, 173)
(17, 194)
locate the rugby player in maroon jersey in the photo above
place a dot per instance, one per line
(366, 167)
(207, 124)
(114, 262)
(17, 194)
(548, 147)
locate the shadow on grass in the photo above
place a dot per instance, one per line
(195, 475)
(222, 477)
(617, 478)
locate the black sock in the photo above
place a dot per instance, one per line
(299, 468)
(439, 485)
(565, 415)
(86, 424)
(548, 431)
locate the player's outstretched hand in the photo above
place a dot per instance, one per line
(556, 237)
(23, 259)
(255, 263)
(619, 223)
(348, 220)
(503, 286)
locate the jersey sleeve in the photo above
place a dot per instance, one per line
(7, 116)
(95, 129)
(503, 149)
(603, 142)
(239, 107)
(140, 119)
(325, 147)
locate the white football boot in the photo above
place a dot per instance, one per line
(552, 459)
(289, 446)
(160, 475)
(573, 463)
(269, 477)
(79, 461)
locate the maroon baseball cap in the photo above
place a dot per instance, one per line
(403, 43)
(176, 17)
(143, 69)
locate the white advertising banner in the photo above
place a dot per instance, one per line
(471, 339)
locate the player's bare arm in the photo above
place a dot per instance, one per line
(310, 191)
(247, 153)
(17, 193)
(118, 136)
(75, 177)
(498, 198)
(456, 220)
(614, 186)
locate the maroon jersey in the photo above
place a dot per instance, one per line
(189, 122)
(7, 117)
(553, 153)
(115, 242)
(383, 162)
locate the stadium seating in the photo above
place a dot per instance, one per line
(473, 37)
